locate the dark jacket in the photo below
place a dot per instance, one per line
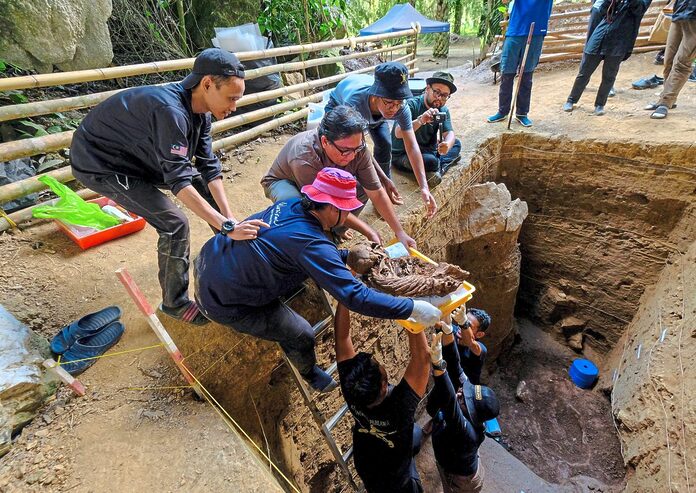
(150, 133)
(617, 30)
(684, 10)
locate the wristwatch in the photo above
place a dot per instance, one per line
(440, 365)
(227, 227)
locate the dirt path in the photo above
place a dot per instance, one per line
(120, 439)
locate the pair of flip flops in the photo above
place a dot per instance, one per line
(82, 341)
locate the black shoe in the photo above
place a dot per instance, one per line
(660, 58)
(692, 77)
(319, 380)
(648, 82)
(189, 313)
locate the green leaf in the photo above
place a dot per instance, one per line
(502, 9)
(54, 129)
(17, 97)
(3, 66)
(40, 130)
(49, 164)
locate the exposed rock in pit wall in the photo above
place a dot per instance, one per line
(486, 228)
(68, 34)
(23, 385)
(653, 397)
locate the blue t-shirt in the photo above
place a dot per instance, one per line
(354, 91)
(524, 12)
(235, 277)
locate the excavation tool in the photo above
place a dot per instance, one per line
(520, 74)
(155, 324)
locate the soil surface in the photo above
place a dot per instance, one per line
(121, 439)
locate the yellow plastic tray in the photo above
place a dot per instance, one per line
(464, 293)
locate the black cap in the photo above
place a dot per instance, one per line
(391, 81)
(481, 403)
(213, 61)
(442, 78)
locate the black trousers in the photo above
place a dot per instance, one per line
(589, 64)
(170, 222)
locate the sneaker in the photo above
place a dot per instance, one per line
(599, 110)
(692, 77)
(648, 82)
(498, 117)
(612, 93)
(660, 113)
(654, 106)
(568, 106)
(189, 313)
(434, 178)
(524, 121)
(319, 380)
(660, 58)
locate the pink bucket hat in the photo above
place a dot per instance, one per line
(334, 186)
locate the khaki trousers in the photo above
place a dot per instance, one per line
(679, 54)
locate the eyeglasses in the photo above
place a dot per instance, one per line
(347, 151)
(440, 94)
(391, 104)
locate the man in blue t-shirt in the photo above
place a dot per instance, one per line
(439, 151)
(149, 138)
(523, 13)
(469, 327)
(378, 99)
(239, 283)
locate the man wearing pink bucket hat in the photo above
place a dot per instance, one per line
(239, 283)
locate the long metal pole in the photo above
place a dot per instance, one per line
(520, 74)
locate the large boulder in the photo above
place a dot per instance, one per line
(23, 385)
(67, 34)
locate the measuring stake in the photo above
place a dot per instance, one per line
(520, 74)
(65, 377)
(139, 298)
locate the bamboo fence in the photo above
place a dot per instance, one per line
(567, 31)
(54, 142)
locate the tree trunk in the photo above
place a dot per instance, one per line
(413, 3)
(458, 11)
(441, 47)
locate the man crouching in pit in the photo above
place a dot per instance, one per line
(385, 436)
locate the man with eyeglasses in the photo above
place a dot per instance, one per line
(378, 99)
(438, 153)
(339, 142)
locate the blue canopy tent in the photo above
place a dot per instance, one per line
(400, 17)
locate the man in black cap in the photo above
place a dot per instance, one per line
(378, 99)
(144, 139)
(430, 115)
(459, 411)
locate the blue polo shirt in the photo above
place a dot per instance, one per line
(234, 278)
(354, 91)
(524, 12)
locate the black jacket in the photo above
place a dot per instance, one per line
(150, 133)
(617, 30)
(684, 10)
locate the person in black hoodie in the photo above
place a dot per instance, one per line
(679, 54)
(612, 42)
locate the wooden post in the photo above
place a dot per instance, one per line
(75, 385)
(141, 302)
(521, 74)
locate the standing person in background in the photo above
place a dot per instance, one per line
(611, 42)
(679, 55)
(523, 13)
(378, 99)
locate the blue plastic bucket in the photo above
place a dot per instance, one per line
(583, 373)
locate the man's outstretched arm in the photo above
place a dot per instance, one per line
(344, 344)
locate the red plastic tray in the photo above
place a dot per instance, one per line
(90, 240)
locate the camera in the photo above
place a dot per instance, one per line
(440, 117)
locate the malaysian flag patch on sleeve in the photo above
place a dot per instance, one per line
(179, 150)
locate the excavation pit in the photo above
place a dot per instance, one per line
(606, 233)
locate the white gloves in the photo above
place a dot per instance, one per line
(436, 349)
(459, 315)
(424, 313)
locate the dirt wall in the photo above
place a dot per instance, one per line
(601, 225)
